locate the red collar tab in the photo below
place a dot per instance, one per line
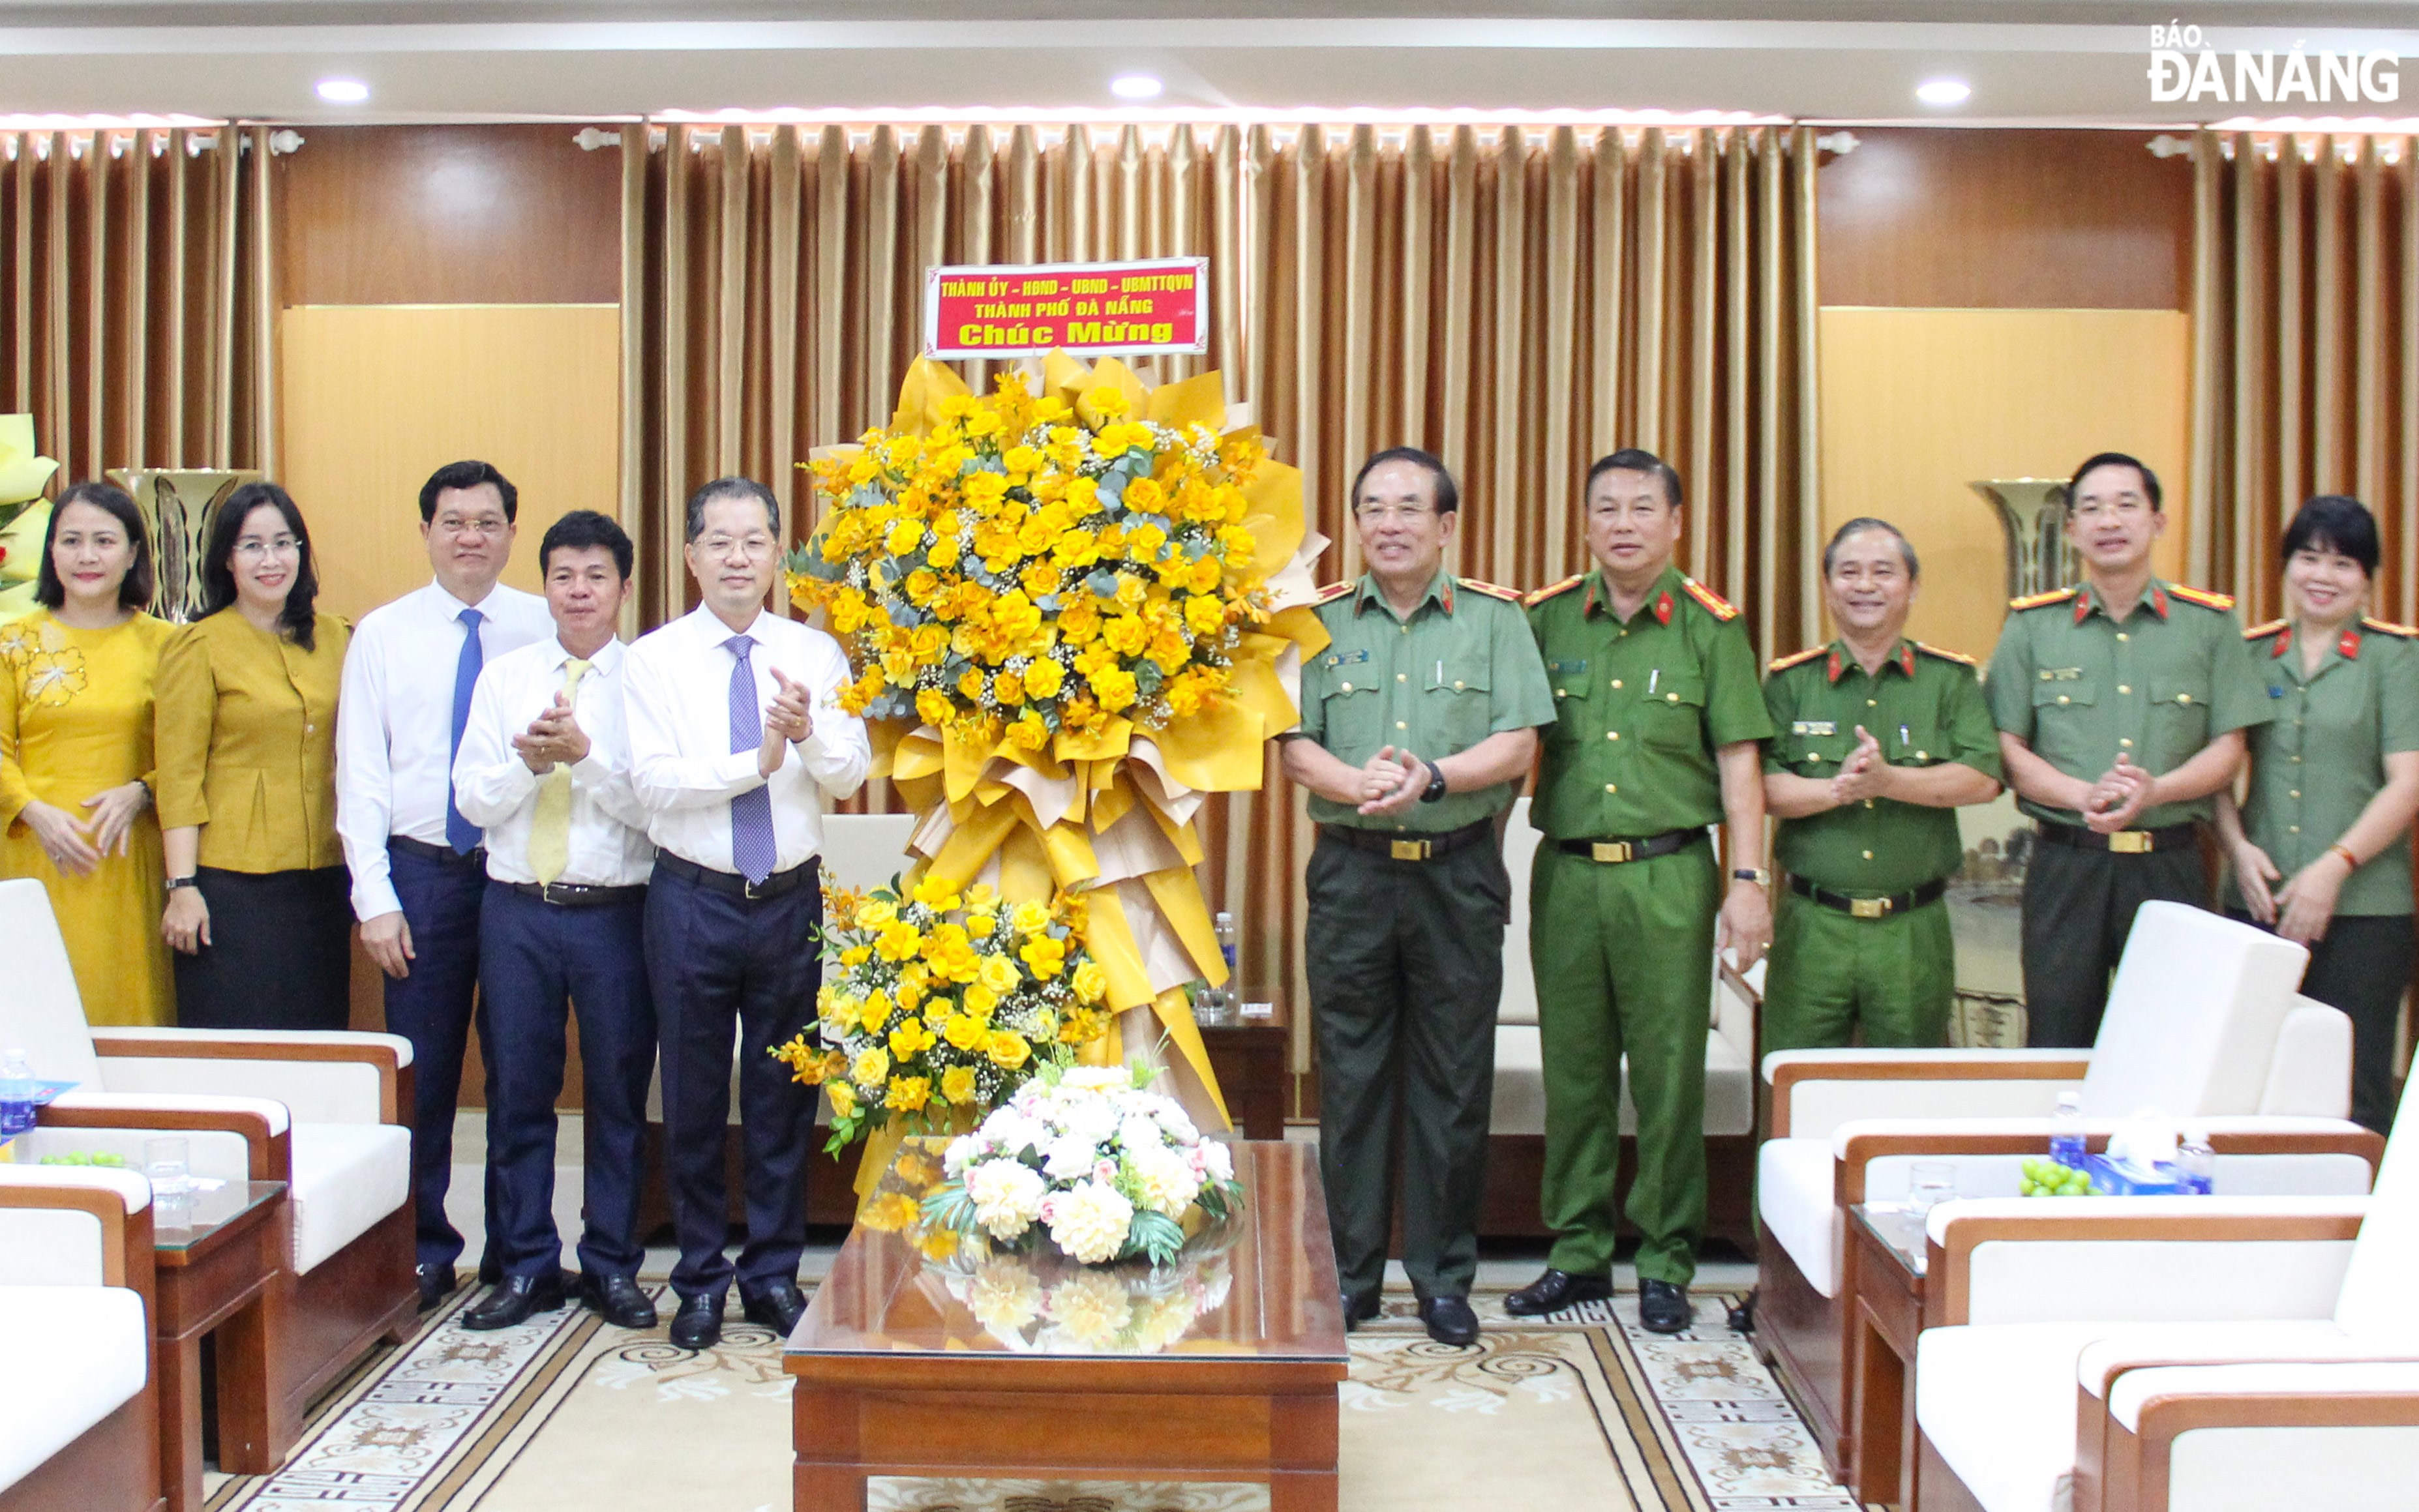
(2285, 638)
(1446, 598)
(1663, 607)
(1834, 666)
(2349, 645)
(2159, 600)
(1906, 660)
(2083, 606)
(1587, 605)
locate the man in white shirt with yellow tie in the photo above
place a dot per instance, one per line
(738, 745)
(545, 770)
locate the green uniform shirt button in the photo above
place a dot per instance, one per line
(2123, 688)
(2183, 698)
(2295, 793)
(2297, 761)
(1672, 696)
(1872, 703)
(1923, 755)
(1612, 734)
(1402, 676)
(2061, 698)
(1401, 726)
(1343, 687)
(1616, 682)
(2121, 636)
(1869, 855)
(2128, 741)
(2292, 829)
(1612, 788)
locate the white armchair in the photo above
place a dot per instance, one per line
(78, 1410)
(326, 1113)
(2203, 1023)
(2199, 1355)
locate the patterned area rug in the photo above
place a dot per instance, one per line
(1579, 1410)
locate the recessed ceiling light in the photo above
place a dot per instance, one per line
(1135, 86)
(1944, 91)
(344, 91)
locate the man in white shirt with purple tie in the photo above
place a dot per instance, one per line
(738, 745)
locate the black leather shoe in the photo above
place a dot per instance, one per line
(619, 1299)
(492, 1270)
(1554, 1290)
(1449, 1320)
(1359, 1310)
(1663, 1308)
(779, 1308)
(698, 1324)
(514, 1299)
(436, 1284)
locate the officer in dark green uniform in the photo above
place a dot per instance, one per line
(2121, 705)
(1876, 741)
(1657, 738)
(1418, 725)
(2321, 850)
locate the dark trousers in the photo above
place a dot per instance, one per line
(279, 954)
(436, 1008)
(1406, 966)
(723, 966)
(536, 961)
(2079, 906)
(2360, 966)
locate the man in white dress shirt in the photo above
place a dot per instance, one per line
(419, 874)
(737, 744)
(545, 770)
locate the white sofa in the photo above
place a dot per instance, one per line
(2199, 1355)
(79, 1412)
(327, 1113)
(2203, 1023)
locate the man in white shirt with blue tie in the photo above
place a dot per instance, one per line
(738, 745)
(545, 770)
(419, 874)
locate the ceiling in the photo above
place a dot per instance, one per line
(2030, 61)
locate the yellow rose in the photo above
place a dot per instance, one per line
(1044, 679)
(980, 999)
(1203, 615)
(898, 941)
(903, 537)
(1009, 689)
(965, 1030)
(843, 1097)
(873, 913)
(1124, 634)
(998, 973)
(981, 896)
(1022, 459)
(870, 1067)
(983, 422)
(970, 685)
(936, 892)
(1040, 579)
(1044, 956)
(1129, 590)
(1028, 733)
(1113, 687)
(839, 1010)
(1006, 1049)
(944, 552)
(909, 1039)
(856, 956)
(1092, 983)
(875, 1012)
(958, 1084)
(981, 925)
(910, 993)
(933, 705)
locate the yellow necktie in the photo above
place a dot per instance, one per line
(549, 846)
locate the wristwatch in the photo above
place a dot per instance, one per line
(1436, 785)
(1753, 874)
(175, 882)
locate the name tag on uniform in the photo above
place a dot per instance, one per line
(2061, 674)
(1814, 727)
(1568, 668)
(1344, 657)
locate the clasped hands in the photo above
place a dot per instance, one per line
(76, 844)
(2119, 797)
(553, 738)
(787, 720)
(1391, 782)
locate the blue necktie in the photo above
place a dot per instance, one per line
(752, 848)
(460, 832)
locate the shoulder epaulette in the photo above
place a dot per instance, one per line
(1493, 590)
(1332, 591)
(2263, 632)
(1564, 586)
(2387, 627)
(2203, 597)
(2037, 600)
(1782, 664)
(1714, 603)
(1944, 654)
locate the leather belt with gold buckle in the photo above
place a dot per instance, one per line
(1616, 852)
(1400, 847)
(2122, 843)
(1881, 907)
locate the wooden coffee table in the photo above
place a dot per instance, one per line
(217, 1264)
(1223, 1367)
(1888, 1312)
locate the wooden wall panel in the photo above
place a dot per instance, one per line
(2006, 219)
(376, 398)
(449, 215)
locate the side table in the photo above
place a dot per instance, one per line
(1250, 1060)
(1888, 1312)
(218, 1262)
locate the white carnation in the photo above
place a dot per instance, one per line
(1007, 1196)
(1138, 1133)
(1089, 1222)
(1068, 1159)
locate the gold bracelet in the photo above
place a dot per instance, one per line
(2345, 851)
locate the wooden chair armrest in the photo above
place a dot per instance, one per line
(269, 1148)
(1784, 1070)
(126, 1237)
(1858, 1148)
(389, 1055)
(2151, 1409)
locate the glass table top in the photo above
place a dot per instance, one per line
(179, 1226)
(1260, 1287)
(1899, 1228)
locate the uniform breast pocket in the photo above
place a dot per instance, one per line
(1674, 715)
(2179, 711)
(1353, 718)
(1460, 703)
(1813, 755)
(1569, 678)
(1911, 743)
(2061, 720)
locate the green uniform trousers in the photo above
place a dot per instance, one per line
(1831, 972)
(2079, 906)
(1405, 967)
(1623, 955)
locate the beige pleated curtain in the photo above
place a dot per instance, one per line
(135, 305)
(2306, 324)
(1518, 299)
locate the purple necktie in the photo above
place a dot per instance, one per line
(752, 848)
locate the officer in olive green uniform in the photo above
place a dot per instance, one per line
(1417, 727)
(2118, 702)
(1876, 740)
(1627, 888)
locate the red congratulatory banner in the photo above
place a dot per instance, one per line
(1026, 311)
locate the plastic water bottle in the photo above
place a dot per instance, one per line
(1228, 946)
(2066, 1130)
(16, 1095)
(2197, 1161)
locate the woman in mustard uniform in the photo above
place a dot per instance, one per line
(257, 907)
(75, 752)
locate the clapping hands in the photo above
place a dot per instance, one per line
(1863, 775)
(1391, 782)
(2119, 797)
(554, 737)
(787, 719)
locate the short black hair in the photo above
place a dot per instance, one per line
(1448, 495)
(2115, 458)
(1637, 459)
(469, 475)
(297, 619)
(1863, 523)
(135, 589)
(733, 487)
(2335, 523)
(583, 528)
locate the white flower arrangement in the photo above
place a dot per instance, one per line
(1106, 1167)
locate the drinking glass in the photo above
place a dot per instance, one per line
(164, 1163)
(1930, 1181)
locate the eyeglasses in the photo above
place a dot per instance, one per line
(490, 525)
(1391, 513)
(754, 547)
(252, 548)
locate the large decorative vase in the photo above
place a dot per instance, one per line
(2032, 518)
(1075, 608)
(179, 505)
(24, 518)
